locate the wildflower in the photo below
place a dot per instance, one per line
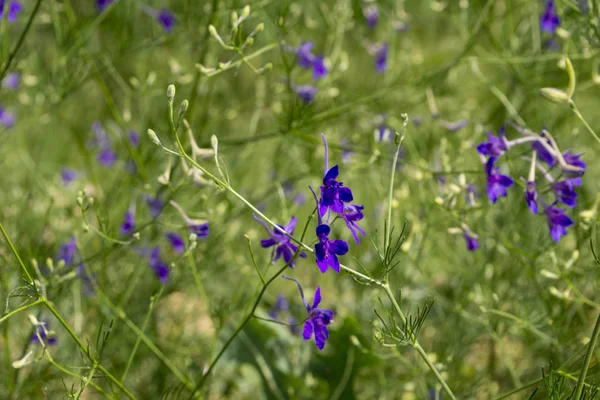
(352, 214)
(107, 157)
(166, 19)
(549, 21)
(542, 153)
(155, 205)
(68, 176)
(318, 319)
(558, 222)
(306, 93)
(197, 226)
(281, 305)
(531, 197)
(128, 225)
(381, 58)
(306, 60)
(176, 242)
(333, 193)
(43, 333)
(159, 267)
(496, 183)
(326, 251)
(565, 191)
(7, 119)
(284, 246)
(471, 240)
(11, 81)
(102, 4)
(13, 9)
(101, 141)
(383, 134)
(67, 251)
(134, 138)
(574, 160)
(495, 146)
(371, 14)
(319, 70)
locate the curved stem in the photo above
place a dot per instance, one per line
(580, 116)
(18, 310)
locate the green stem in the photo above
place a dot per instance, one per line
(388, 226)
(580, 116)
(49, 358)
(588, 359)
(16, 254)
(18, 310)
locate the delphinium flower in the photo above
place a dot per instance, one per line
(574, 160)
(134, 138)
(549, 21)
(159, 267)
(128, 225)
(106, 156)
(371, 14)
(495, 146)
(496, 183)
(11, 81)
(68, 175)
(352, 214)
(13, 9)
(307, 60)
(68, 251)
(558, 222)
(43, 333)
(381, 57)
(318, 319)
(306, 93)
(155, 205)
(565, 191)
(542, 153)
(102, 4)
(471, 240)
(176, 241)
(7, 118)
(333, 193)
(280, 306)
(197, 226)
(327, 251)
(383, 133)
(531, 197)
(166, 19)
(282, 243)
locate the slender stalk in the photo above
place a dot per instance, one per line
(49, 358)
(16, 254)
(580, 116)
(588, 359)
(18, 310)
(388, 230)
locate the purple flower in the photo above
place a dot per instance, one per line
(353, 214)
(574, 160)
(558, 222)
(383, 134)
(67, 251)
(319, 70)
(326, 251)
(7, 119)
(134, 139)
(549, 21)
(14, 8)
(128, 222)
(381, 58)
(495, 146)
(102, 4)
(107, 157)
(565, 191)
(159, 267)
(453, 126)
(333, 193)
(281, 305)
(155, 205)
(496, 183)
(471, 240)
(68, 176)
(200, 229)
(542, 153)
(531, 197)
(166, 19)
(371, 16)
(304, 55)
(318, 319)
(306, 93)
(283, 244)
(42, 333)
(87, 279)
(12, 80)
(176, 242)
(293, 326)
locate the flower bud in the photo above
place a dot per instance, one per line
(28, 359)
(214, 143)
(213, 31)
(183, 107)
(170, 92)
(267, 67)
(572, 78)
(193, 237)
(154, 138)
(259, 28)
(246, 12)
(234, 19)
(555, 95)
(136, 236)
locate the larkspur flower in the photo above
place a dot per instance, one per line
(496, 183)
(381, 57)
(176, 241)
(306, 59)
(13, 9)
(371, 14)
(283, 244)
(327, 251)
(471, 240)
(333, 193)
(306, 93)
(574, 160)
(565, 191)
(531, 197)
(352, 214)
(383, 134)
(318, 319)
(7, 118)
(68, 251)
(293, 326)
(280, 306)
(102, 4)
(541, 151)
(166, 19)
(319, 70)
(159, 267)
(495, 146)
(558, 222)
(549, 21)
(107, 157)
(197, 226)
(134, 138)
(43, 333)
(11, 81)
(155, 205)
(128, 225)
(68, 175)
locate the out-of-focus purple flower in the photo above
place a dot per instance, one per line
(128, 225)
(495, 146)
(353, 214)
(306, 93)
(383, 134)
(558, 222)
(549, 21)
(299, 199)
(102, 4)
(531, 197)
(453, 126)
(176, 241)
(434, 395)
(565, 191)
(471, 240)
(134, 138)
(280, 306)
(42, 333)
(318, 319)
(381, 58)
(371, 16)
(7, 119)
(67, 252)
(68, 176)
(417, 121)
(159, 267)
(294, 329)
(327, 251)
(542, 153)
(155, 205)
(13, 9)
(283, 244)
(306, 60)
(87, 279)
(166, 19)
(574, 160)
(346, 151)
(496, 183)
(197, 226)
(319, 70)
(11, 81)
(107, 157)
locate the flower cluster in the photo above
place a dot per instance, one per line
(562, 185)
(307, 60)
(13, 9)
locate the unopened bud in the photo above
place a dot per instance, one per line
(193, 237)
(154, 138)
(183, 107)
(268, 67)
(572, 78)
(259, 28)
(246, 12)
(555, 95)
(170, 92)
(28, 359)
(136, 236)
(213, 31)
(234, 18)
(33, 320)
(214, 143)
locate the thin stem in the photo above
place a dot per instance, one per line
(18, 310)
(386, 238)
(580, 116)
(49, 358)
(14, 251)
(588, 359)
